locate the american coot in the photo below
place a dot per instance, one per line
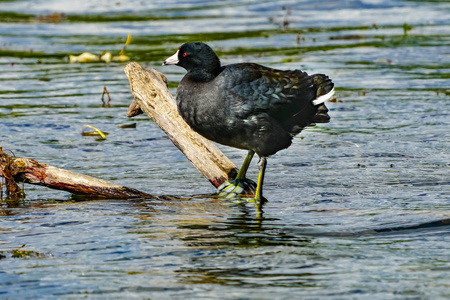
(247, 106)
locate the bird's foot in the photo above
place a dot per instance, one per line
(242, 187)
(236, 187)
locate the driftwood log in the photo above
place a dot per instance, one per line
(15, 169)
(152, 96)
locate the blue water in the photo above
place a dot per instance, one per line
(359, 208)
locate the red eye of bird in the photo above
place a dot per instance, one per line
(184, 54)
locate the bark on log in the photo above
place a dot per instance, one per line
(152, 96)
(27, 170)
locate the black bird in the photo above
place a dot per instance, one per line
(247, 106)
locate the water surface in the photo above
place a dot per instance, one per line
(358, 208)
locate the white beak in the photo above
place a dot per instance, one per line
(173, 60)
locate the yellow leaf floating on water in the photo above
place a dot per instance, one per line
(83, 57)
(98, 132)
(107, 57)
(87, 57)
(121, 57)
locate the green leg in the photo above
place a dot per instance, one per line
(236, 186)
(245, 164)
(259, 199)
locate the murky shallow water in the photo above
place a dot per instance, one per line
(358, 208)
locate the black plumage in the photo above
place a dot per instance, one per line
(246, 105)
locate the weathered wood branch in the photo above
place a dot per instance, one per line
(152, 96)
(15, 169)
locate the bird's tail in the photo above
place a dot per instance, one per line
(325, 90)
(321, 116)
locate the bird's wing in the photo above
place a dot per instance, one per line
(254, 88)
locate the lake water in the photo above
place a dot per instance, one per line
(359, 208)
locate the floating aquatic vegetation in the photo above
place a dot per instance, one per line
(334, 100)
(406, 28)
(131, 125)
(54, 17)
(86, 57)
(18, 253)
(96, 132)
(105, 56)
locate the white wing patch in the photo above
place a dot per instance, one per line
(323, 98)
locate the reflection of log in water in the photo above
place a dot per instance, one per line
(152, 97)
